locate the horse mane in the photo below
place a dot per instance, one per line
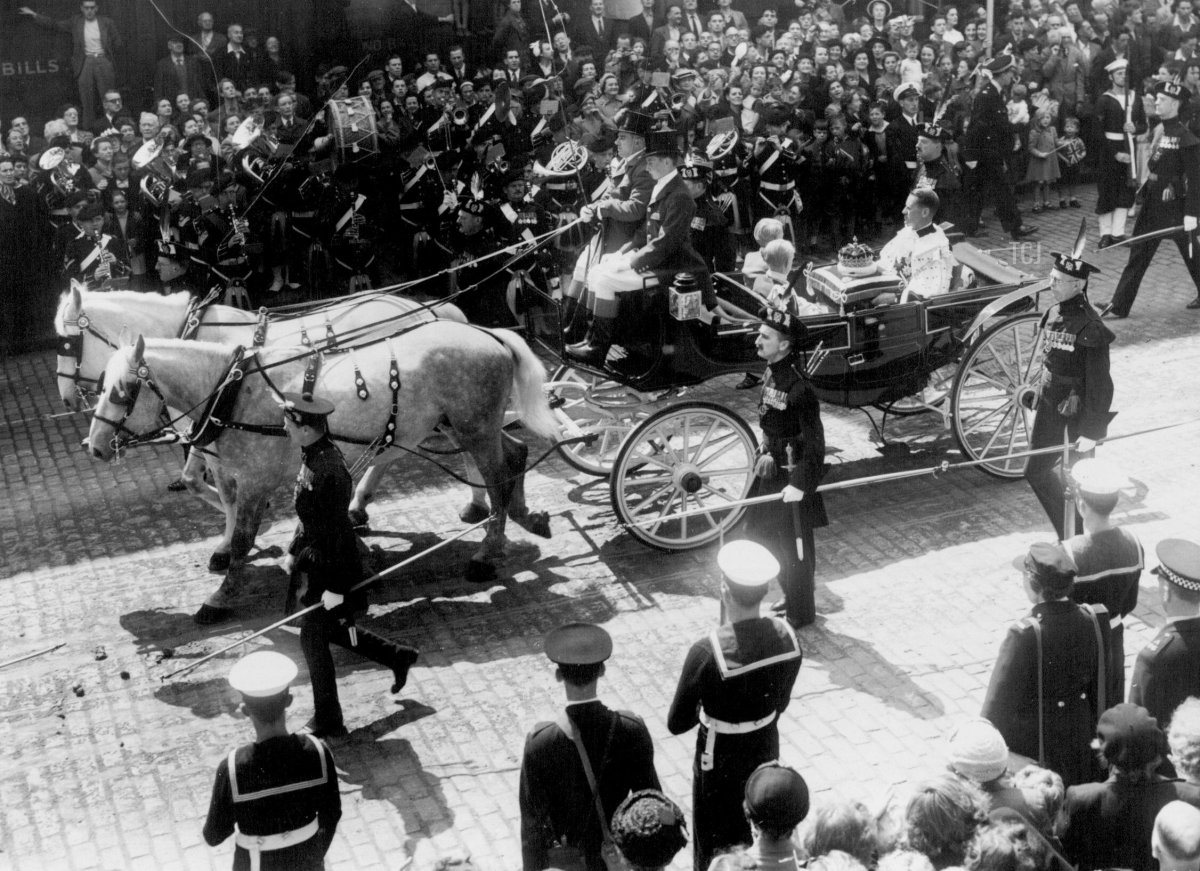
(154, 300)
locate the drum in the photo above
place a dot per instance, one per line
(352, 123)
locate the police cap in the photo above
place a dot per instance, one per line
(309, 405)
(262, 674)
(578, 644)
(1179, 563)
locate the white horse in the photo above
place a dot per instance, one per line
(447, 372)
(90, 326)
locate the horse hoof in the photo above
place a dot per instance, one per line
(208, 615)
(473, 513)
(358, 516)
(479, 572)
(539, 524)
(219, 562)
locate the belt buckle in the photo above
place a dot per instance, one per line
(259, 841)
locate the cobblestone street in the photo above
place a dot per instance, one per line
(108, 766)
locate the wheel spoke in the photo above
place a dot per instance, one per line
(647, 504)
(732, 443)
(712, 425)
(995, 435)
(662, 514)
(981, 421)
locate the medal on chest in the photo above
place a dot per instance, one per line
(772, 397)
(1059, 340)
(304, 479)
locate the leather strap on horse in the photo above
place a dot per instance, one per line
(311, 370)
(389, 430)
(331, 339)
(195, 314)
(220, 405)
(360, 383)
(260, 329)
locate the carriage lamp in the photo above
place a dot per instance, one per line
(683, 301)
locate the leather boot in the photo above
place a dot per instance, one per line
(595, 348)
(574, 321)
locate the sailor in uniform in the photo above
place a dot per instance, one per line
(791, 461)
(735, 684)
(938, 172)
(1108, 559)
(920, 252)
(558, 808)
(1168, 669)
(326, 565)
(1169, 198)
(1121, 116)
(1074, 398)
(279, 796)
(908, 125)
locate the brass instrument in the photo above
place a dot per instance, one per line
(156, 182)
(568, 158)
(458, 117)
(721, 145)
(253, 150)
(677, 101)
(61, 168)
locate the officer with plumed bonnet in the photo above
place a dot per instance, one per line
(791, 461)
(1071, 406)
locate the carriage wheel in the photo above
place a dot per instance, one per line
(998, 375)
(929, 398)
(681, 458)
(593, 405)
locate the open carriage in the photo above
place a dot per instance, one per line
(972, 355)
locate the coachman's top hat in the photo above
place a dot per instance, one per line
(662, 143)
(637, 123)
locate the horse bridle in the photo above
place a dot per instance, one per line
(71, 345)
(127, 400)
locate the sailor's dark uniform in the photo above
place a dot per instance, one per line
(280, 800)
(735, 684)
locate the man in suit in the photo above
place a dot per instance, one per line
(291, 126)
(735, 683)
(211, 42)
(595, 30)
(178, 73)
(643, 25)
(666, 249)
(671, 31)
(1168, 670)
(95, 42)
(988, 144)
(555, 795)
(112, 111)
(692, 22)
(237, 62)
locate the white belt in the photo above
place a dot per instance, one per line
(1115, 622)
(1115, 137)
(95, 54)
(715, 726)
(777, 187)
(259, 844)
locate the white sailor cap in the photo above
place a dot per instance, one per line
(262, 674)
(1098, 478)
(1119, 64)
(747, 564)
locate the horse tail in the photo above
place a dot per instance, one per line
(529, 380)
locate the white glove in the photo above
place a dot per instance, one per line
(971, 164)
(1189, 223)
(331, 600)
(587, 213)
(792, 494)
(1085, 445)
(1123, 157)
